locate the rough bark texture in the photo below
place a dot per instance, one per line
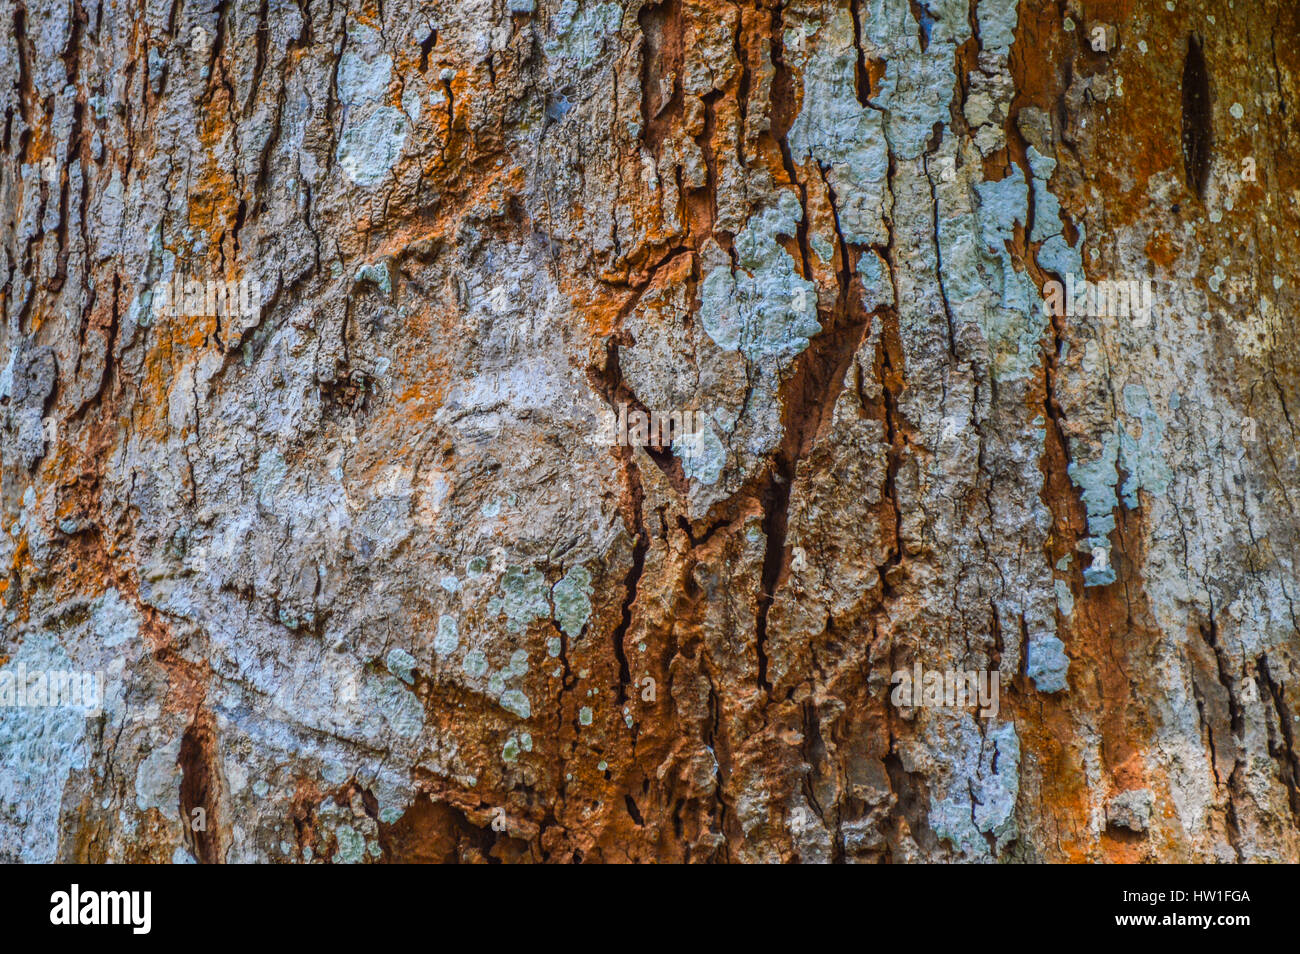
(367, 583)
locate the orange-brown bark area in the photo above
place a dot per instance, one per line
(330, 334)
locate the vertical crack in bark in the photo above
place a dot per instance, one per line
(891, 374)
(938, 245)
(632, 582)
(199, 788)
(811, 390)
(259, 61)
(861, 75)
(1198, 129)
(1285, 749)
(609, 381)
(661, 59)
(26, 93)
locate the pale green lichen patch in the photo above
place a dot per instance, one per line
(351, 844)
(523, 598)
(980, 797)
(761, 307)
(158, 778)
(518, 664)
(1002, 204)
(1096, 480)
(516, 743)
(580, 33)
(411, 104)
(877, 283)
(1135, 449)
(702, 454)
(373, 132)
(1047, 208)
(1013, 322)
(917, 88)
(364, 70)
(997, 25)
(448, 637)
(510, 751)
(1047, 664)
(377, 274)
(1139, 447)
(402, 665)
(512, 700)
(846, 138)
(1064, 598)
(475, 663)
(369, 148)
(271, 472)
(572, 596)
(388, 700)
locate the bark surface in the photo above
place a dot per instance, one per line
(365, 578)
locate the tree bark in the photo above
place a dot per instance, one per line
(375, 563)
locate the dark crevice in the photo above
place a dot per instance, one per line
(426, 47)
(1198, 130)
(861, 75)
(1284, 749)
(925, 20)
(633, 811)
(198, 794)
(609, 383)
(661, 60)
